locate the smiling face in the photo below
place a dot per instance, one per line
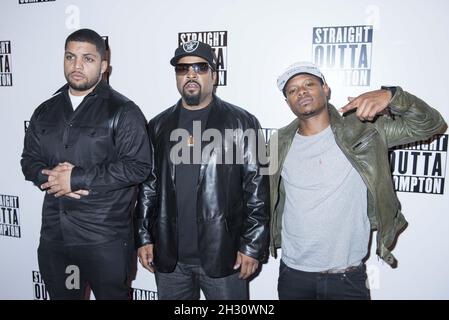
(306, 95)
(83, 67)
(195, 88)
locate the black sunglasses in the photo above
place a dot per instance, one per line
(198, 67)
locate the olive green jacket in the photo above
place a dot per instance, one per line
(366, 145)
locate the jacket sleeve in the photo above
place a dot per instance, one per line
(145, 211)
(33, 162)
(412, 120)
(133, 157)
(256, 199)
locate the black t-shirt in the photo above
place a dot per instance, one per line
(186, 189)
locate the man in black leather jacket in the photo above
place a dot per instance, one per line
(201, 219)
(87, 146)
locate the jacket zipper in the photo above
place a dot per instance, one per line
(278, 182)
(365, 141)
(359, 170)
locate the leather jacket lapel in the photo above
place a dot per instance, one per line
(171, 125)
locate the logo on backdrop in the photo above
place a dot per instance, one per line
(5, 64)
(39, 291)
(218, 40)
(140, 294)
(420, 167)
(9, 216)
(344, 54)
(33, 1)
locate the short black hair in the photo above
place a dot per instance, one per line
(88, 35)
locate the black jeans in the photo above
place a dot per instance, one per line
(105, 268)
(185, 282)
(295, 284)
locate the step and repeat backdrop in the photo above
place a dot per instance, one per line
(359, 44)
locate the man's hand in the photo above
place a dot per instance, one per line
(369, 105)
(76, 194)
(59, 181)
(145, 254)
(246, 264)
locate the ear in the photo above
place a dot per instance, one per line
(104, 66)
(327, 91)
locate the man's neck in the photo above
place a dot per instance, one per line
(313, 125)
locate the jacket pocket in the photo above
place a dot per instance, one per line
(49, 135)
(94, 132)
(44, 129)
(365, 140)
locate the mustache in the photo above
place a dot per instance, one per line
(304, 98)
(76, 72)
(191, 81)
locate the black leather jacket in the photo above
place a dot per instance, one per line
(106, 139)
(232, 199)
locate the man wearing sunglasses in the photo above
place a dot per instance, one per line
(202, 223)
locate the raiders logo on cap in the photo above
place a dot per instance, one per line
(190, 46)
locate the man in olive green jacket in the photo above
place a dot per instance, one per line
(333, 183)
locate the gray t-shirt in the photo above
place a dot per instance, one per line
(325, 224)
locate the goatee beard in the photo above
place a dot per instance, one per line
(191, 100)
(84, 86)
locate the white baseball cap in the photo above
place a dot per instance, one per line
(298, 68)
